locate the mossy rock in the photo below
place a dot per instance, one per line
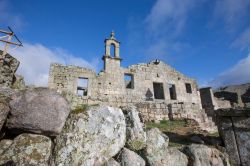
(136, 145)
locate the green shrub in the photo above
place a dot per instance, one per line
(80, 109)
(166, 124)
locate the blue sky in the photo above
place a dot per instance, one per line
(205, 39)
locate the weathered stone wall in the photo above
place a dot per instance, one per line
(234, 128)
(64, 78)
(222, 103)
(110, 85)
(237, 95)
(233, 97)
(210, 102)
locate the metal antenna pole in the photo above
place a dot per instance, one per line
(6, 46)
(9, 36)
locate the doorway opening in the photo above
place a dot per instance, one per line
(158, 90)
(172, 91)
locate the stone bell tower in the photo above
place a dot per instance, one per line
(112, 62)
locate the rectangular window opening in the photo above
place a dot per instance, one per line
(158, 90)
(82, 86)
(188, 88)
(172, 91)
(129, 81)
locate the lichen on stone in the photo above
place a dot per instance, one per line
(136, 144)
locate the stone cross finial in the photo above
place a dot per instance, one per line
(112, 35)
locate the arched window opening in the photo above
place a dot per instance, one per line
(112, 50)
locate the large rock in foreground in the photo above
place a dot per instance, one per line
(157, 152)
(201, 155)
(129, 158)
(136, 137)
(26, 149)
(38, 110)
(90, 137)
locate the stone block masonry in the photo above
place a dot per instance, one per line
(157, 89)
(234, 128)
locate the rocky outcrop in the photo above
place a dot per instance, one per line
(38, 110)
(136, 137)
(8, 67)
(26, 149)
(90, 137)
(128, 158)
(96, 135)
(158, 153)
(201, 155)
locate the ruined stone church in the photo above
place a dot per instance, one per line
(155, 88)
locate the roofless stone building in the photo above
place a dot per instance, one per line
(156, 89)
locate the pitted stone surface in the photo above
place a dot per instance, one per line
(39, 110)
(91, 137)
(136, 137)
(201, 155)
(129, 158)
(4, 145)
(27, 149)
(158, 153)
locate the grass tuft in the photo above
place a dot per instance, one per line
(166, 125)
(80, 109)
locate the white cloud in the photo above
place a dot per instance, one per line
(8, 17)
(35, 61)
(243, 41)
(238, 74)
(164, 24)
(232, 11)
(169, 15)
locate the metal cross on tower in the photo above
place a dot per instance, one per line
(6, 37)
